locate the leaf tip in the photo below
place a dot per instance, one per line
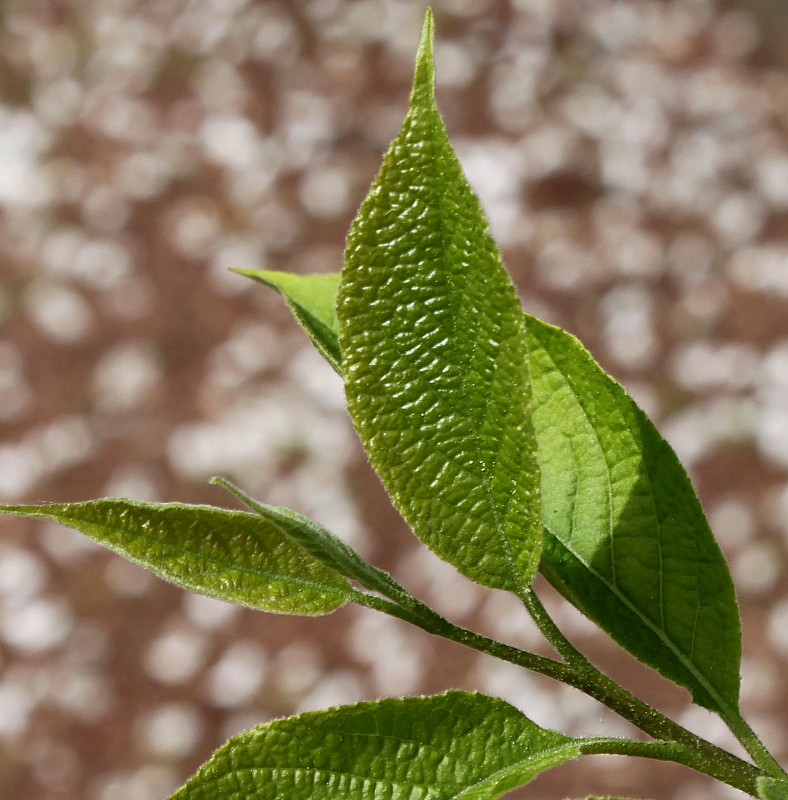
(233, 489)
(428, 25)
(254, 274)
(424, 78)
(217, 480)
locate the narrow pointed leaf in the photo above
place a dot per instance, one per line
(451, 746)
(231, 555)
(772, 789)
(435, 358)
(311, 298)
(627, 540)
(320, 543)
(630, 545)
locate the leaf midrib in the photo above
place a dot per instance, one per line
(546, 757)
(321, 771)
(436, 124)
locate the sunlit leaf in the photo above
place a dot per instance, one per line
(454, 746)
(311, 298)
(627, 539)
(435, 359)
(231, 555)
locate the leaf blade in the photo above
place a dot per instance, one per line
(628, 620)
(629, 543)
(435, 358)
(231, 555)
(320, 543)
(450, 746)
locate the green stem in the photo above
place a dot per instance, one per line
(550, 630)
(713, 760)
(738, 725)
(599, 685)
(752, 744)
(439, 626)
(677, 753)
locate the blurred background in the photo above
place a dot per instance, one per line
(632, 156)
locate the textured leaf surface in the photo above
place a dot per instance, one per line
(630, 545)
(772, 789)
(435, 358)
(317, 541)
(231, 555)
(627, 540)
(311, 298)
(454, 745)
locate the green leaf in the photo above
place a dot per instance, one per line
(435, 358)
(311, 298)
(320, 543)
(772, 789)
(629, 544)
(231, 555)
(311, 295)
(455, 745)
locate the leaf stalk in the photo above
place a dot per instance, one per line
(752, 743)
(673, 742)
(733, 718)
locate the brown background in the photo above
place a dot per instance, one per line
(632, 157)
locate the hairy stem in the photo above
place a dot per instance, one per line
(595, 682)
(551, 632)
(677, 753)
(582, 675)
(738, 725)
(752, 744)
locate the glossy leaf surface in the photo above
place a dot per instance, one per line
(455, 745)
(627, 540)
(435, 359)
(231, 555)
